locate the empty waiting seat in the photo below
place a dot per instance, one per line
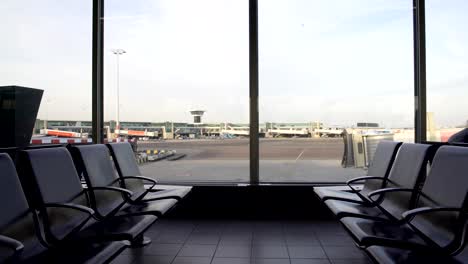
(10, 249)
(127, 168)
(439, 218)
(408, 171)
(51, 178)
(98, 171)
(377, 173)
(389, 255)
(21, 240)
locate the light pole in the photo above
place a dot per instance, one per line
(49, 101)
(117, 53)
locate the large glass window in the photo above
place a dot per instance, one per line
(47, 45)
(447, 68)
(336, 77)
(176, 78)
(329, 70)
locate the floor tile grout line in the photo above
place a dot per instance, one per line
(252, 234)
(281, 228)
(183, 244)
(134, 258)
(216, 249)
(321, 245)
(285, 241)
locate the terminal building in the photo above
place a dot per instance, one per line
(197, 129)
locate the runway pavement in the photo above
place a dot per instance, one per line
(227, 160)
(238, 149)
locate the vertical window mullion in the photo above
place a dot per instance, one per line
(98, 72)
(419, 30)
(253, 87)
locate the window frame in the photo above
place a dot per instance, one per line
(254, 157)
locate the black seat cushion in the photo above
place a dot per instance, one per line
(52, 178)
(343, 209)
(446, 186)
(380, 167)
(326, 193)
(388, 255)
(99, 171)
(15, 219)
(126, 165)
(18, 223)
(118, 228)
(408, 171)
(368, 232)
(160, 206)
(161, 192)
(124, 157)
(97, 164)
(59, 181)
(24, 231)
(13, 202)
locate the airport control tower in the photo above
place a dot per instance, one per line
(197, 116)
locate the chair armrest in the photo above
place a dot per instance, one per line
(153, 181)
(13, 244)
(116, 180)
(140, 178)
(77, 207)
(424, 210)
(388, 190)
(362, 178)
(110, 188)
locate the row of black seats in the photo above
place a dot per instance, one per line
(47, 216)
(412, 207)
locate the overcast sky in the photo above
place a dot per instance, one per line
(337, 61)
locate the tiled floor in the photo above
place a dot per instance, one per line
(245, 242)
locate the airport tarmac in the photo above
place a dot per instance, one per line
(238, 149)
(226, 160)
